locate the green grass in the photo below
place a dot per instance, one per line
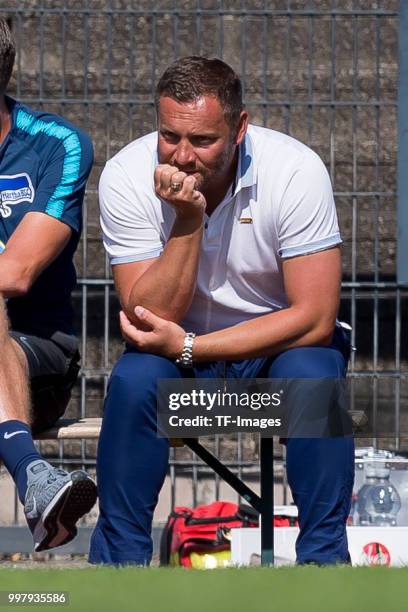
(303, 589)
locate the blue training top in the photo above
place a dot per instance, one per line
(44, 164)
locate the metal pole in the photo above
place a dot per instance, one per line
(402, 248)
(266, 465)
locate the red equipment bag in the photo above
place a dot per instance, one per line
(201, 530)
(205, 529)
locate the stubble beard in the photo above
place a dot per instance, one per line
(219, 172)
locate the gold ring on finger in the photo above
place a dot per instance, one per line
(175, 187)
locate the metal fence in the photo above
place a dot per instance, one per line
(324, 71)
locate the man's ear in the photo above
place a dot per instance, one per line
(242, 127)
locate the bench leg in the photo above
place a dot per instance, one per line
(263, 504)
(234, 482)
(266, 469)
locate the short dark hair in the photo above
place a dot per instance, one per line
(193, 77)
(7, 54)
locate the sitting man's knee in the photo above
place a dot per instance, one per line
(133, 383)
(309, 362)
(144, 368)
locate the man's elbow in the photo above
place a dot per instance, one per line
(173, 309)
(19, 281)
(169, 314)
(19, 287)
(323, 333)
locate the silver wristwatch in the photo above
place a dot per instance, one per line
(186, 358)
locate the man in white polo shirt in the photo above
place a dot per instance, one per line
(224, 243)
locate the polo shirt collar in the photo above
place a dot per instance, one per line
(13, 107)
(246, 174)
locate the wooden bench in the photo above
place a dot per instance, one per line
(73, 429)
(82, 429)
(89, 429)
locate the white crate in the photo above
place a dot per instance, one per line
(367, 545)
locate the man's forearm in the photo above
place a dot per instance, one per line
(167, 287)
(265, 335)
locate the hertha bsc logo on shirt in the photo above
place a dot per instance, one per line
(14, 189)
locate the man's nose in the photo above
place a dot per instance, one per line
(184, 155)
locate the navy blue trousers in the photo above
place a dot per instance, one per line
(132, 460)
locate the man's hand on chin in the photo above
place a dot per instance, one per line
(179, 190)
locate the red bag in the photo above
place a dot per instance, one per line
(201, 530)
(205, 529)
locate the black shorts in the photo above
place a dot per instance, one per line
(53, 365)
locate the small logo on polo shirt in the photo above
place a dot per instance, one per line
(245, 220)
(14, 189)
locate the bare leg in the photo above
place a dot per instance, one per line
(14, 385)
(17, 449)
(53, 499)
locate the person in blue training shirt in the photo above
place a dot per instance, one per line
(225, 250)
(44, 164)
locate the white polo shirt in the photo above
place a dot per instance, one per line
(282, 206)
